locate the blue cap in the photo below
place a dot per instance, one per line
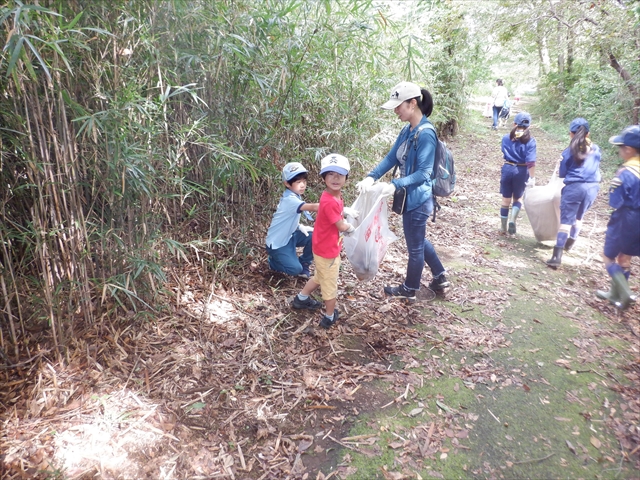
(292, 169)
(629, 137)
(576, 123)
(523, 119)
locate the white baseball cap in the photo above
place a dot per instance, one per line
(335, 162)
(292, 169)
(401, 92)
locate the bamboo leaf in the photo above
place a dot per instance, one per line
(74, 21)
(15, 55)
(37, 54)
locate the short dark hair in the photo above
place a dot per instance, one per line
(298, 177)
(323, 175)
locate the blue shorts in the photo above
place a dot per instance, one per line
(623, 233)
(512, 180)
(576, 199)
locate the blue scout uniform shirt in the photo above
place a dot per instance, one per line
(519, 153)
(625, 186)
(285, 221)
(588, 172)
(415, 161)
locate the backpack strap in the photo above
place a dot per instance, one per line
(417, 134)
(436, 205)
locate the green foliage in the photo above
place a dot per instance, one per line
(596, 94)
(144, 126)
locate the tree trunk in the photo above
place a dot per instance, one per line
(628, 80)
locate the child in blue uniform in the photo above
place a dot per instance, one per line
(518, 171)
(622, 240)
(286, 233)
(580, 168)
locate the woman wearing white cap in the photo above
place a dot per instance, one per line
(414, 153)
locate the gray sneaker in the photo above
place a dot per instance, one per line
(402, 292)
(308, 304)
(439, 284)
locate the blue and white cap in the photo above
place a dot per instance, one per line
(292, 169)
(335, 162)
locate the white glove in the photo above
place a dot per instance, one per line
(351, 212)
(387, 189)
(364, 185)
(531, 182)
(349, 230)
(305, 230)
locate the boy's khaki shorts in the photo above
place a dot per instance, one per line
(326, 276)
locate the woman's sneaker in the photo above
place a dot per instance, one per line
(439, 284)
(308, 304)
(402, 292)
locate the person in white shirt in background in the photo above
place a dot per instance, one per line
(499, 95)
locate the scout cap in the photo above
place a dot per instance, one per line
(630, 137)
(523, 119)
(401, 92)
(335, 163)
(576, 123)
(292, 169)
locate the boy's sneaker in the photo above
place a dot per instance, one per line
(328, 323)
(305, 273)
(402, 292)
(439, 284)
(308, 304)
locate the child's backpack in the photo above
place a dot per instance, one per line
(505, 110)
(443, 175)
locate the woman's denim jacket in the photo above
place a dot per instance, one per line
(418, 166)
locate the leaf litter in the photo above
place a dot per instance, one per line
(234, 384)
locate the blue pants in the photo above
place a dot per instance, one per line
(285, 259)
(623, 233)
(512, 180)
(576, 199)
(496, 113)
(419, 249)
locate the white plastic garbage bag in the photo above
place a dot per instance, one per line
(488, 110)
(542, 204)
(367, 245)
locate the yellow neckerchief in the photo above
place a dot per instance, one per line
(633, 165)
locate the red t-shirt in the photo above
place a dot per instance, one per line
(326, 241)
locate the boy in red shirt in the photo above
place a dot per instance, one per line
(327, 242)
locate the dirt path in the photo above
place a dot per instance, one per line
(516, 372)
(520, 371)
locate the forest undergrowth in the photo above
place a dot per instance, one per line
(517, 371)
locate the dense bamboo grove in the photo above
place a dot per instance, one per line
(137, 132)
(134, 134)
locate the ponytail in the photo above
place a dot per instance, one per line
(580, 145)
(426, 104)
